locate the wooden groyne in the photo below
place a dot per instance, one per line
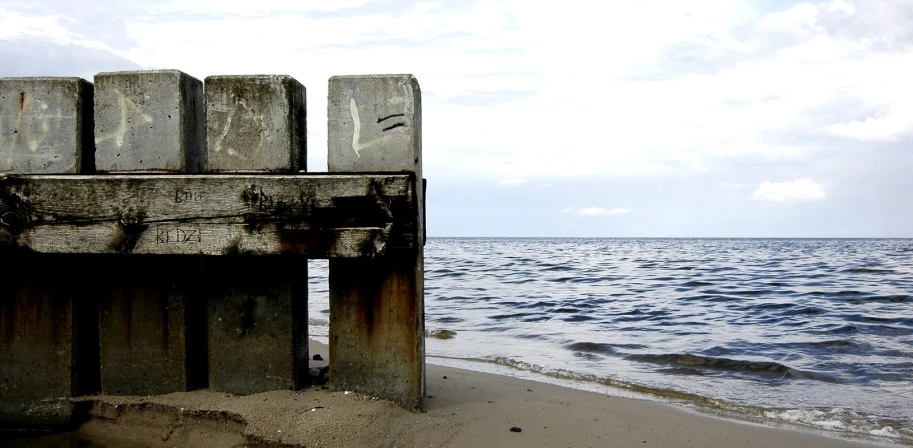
(154, 233)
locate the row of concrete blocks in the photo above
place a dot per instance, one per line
(144, 325)
(153, 121)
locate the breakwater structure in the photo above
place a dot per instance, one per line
(155, 231)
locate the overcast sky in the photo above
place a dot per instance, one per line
(577, 118)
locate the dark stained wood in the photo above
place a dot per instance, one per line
(320, 216)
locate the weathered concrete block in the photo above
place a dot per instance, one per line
(150, 325)
(37, 356)
(47, 329)
(149, 121)
(255, 123)
(257, 310)
(46, 126)
(377, 326)
(375, 123)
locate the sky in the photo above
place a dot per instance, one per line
(630, 118)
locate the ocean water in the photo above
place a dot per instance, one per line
(815, 332)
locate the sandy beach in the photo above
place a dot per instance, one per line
(464, 409)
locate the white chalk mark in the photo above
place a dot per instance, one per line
(357, 145)
(119, 134)
(225, 129)
(262, 130)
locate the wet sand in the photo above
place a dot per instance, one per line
(464, 409)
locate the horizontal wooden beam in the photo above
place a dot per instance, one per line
(320, 216)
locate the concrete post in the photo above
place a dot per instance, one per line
(257, 306)
(151, 329)
(47, 327)
(377, 326)
(148, 121)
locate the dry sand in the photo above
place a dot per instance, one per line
(465, 409)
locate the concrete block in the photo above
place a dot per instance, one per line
(47, 329)
(46, 126)
(374, 124)
(149, 121)
(37, 356)
(257, 311)
(149, 325)
(377, 326)
(255, 123)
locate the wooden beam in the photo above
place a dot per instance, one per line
(320, 216)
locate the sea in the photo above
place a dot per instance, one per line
(810, 332)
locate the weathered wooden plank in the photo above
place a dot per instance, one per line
(319, 216)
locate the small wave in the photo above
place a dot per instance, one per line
(511, 316)
(773, 306)
(849, 328)
(518, 281)
(564, 310)
(762, 368)
(578, 318)
(592, 347)
(833, 343)
(750, 292)
(897, 298)
(539, 304)
(850, 293)
(806, 310)
(696, 283)
(558, 268)
(842, 420)
(870, 271)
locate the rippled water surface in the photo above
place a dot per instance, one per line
(818, 332)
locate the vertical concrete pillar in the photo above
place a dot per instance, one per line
(377, 325)
(257, 306)
(150, 321)
(46, 338)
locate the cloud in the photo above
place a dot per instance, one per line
(597, 211)
(887, 125)
(790, 191)
(42, 58)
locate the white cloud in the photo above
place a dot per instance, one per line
(790, 191)
(597, 211)
(888, 125)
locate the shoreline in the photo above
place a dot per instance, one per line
(463, 408)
